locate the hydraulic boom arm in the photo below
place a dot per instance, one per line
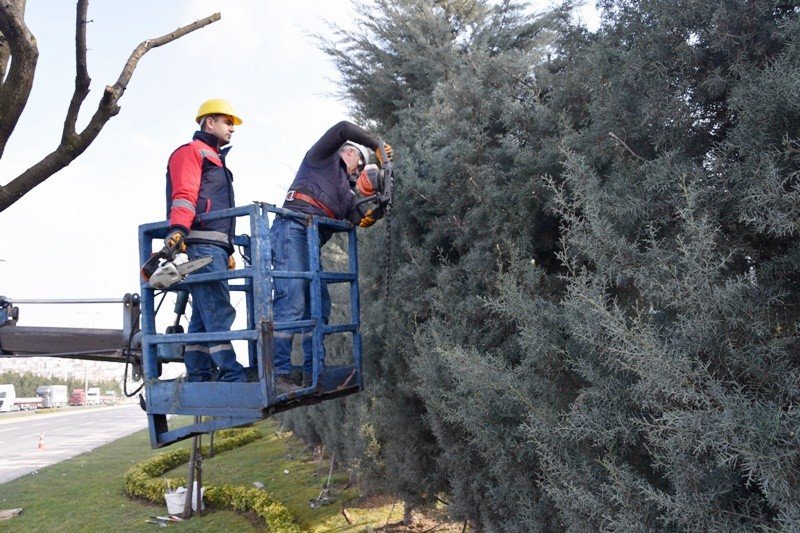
(117, 345)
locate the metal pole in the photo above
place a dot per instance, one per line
(66, 301)
(198, 495)
(187, 503)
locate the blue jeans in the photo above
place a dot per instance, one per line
(292, 298)
(211, 311)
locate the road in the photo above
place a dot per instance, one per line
(63, 434)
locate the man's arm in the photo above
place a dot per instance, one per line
(185, 169)
(335, 137)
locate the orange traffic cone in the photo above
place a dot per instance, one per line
(41, 442)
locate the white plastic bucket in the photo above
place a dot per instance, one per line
(176, 499)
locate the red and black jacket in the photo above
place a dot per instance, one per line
(199, 182)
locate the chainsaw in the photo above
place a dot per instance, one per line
(385, 181)
(161, 272)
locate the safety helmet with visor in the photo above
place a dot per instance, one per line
(363, 154)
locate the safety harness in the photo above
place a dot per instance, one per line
(310, 200)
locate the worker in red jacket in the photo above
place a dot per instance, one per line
(199, 181)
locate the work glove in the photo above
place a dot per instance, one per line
(370, 217)
(386, 148)
(175, 242)
(231, 263)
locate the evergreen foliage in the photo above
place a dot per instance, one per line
(591, 321)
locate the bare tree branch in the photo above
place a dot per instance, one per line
(16, 87)
(82, 79)
(5, 52)
(5, 55)
(72, 145)
(145, 46)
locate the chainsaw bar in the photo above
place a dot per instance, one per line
(187, 268)
(171, 272)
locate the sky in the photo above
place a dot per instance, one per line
(75, 236)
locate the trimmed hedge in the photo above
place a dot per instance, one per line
(144, 481)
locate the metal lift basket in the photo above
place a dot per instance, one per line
(222, 405)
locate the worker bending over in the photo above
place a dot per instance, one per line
(327, 184)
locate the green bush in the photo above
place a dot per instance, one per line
(240, 498)
(143, 481)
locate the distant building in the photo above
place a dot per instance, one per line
(53, 367)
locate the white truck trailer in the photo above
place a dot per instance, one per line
(53, 395)
(9, 401)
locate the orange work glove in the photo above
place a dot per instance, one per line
(372, 216)
(175, 241)
(368, 219)
(387, 149)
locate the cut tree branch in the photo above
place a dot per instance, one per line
(72, 145)
(145, 46)
(624, 145)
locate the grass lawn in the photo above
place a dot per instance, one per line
(86, 493)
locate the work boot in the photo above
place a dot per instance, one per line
(285, 384)
(296, 375)
(308, 378)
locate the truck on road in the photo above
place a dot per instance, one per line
(9, 401)
(90, 396)
(93, 396)
(78, 397)
(53, 395)
(8, 395)
(109, 397)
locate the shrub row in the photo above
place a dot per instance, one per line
(143, 481)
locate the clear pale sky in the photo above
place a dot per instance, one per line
(75, 236)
